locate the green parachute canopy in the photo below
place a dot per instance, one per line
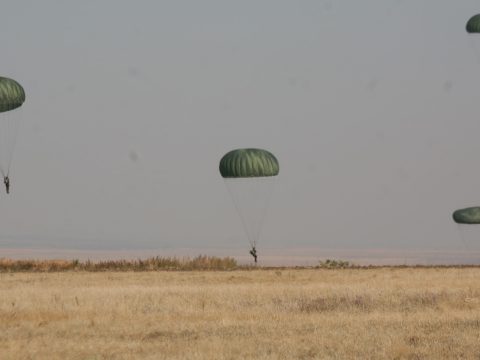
(473, 25)
(246, 163)
(469, 215)
(12, 94)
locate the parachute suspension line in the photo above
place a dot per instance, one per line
(9, 122)
(14, 124)
(474, 43)
(239, 211)
(253, 252)
(259, 195)
(4, 130)
(462, 236)
(264, 212)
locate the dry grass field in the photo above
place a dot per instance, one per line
(384, 313)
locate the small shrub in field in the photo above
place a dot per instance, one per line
(334, 264)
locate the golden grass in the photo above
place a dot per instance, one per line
(384, 313)
(201, 262)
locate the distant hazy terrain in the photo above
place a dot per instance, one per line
(388, 313)
(268, 256)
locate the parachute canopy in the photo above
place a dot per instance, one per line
(469, 215)
(247, 163)
(12, 94)
(473, 25)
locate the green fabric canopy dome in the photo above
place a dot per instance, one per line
(469, 215)
(12, 94)
(473, 25)
(244, 163)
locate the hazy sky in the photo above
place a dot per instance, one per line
(370, 106)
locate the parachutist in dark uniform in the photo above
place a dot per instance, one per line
(6, 181)
(253, 252)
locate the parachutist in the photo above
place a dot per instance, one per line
(249, 175)
(253, 252)
(12, 96)
(6, 181)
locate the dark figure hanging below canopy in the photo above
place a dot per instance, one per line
(6, 181)
(253, 252)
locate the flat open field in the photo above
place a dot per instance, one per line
(386, 313)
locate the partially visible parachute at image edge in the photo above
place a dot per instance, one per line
(469, 216)
(12, 94)
(473, 24)
(12, 97)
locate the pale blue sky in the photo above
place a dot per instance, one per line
(370, 106)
